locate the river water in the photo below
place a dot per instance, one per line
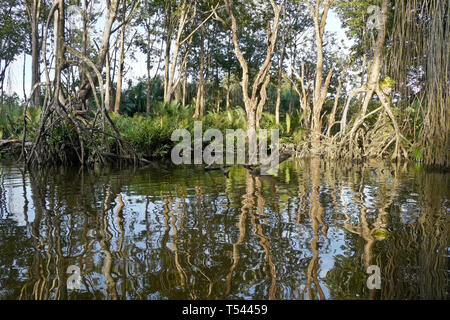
(163, 232)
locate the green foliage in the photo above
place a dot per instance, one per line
(354, 15)
(14, 31)
(268, 121)
(147, 135)
(134, 98)
(299, 136)
(288, 123)
(11, 119)
(230, 119)
(388, 82)
(417, 153)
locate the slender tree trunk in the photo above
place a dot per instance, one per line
(320, 88)
(149, 81)
(336, 102)
(35, 66)
(363, 73)
(167, 68)
(23, 75)
(228, 92)
(199, 102)
(291, 97)
(2, 83)
(108, 91)
(184, 89)
(111, 15)
(280, 80)
(34, 13)
(255, 101)
(375, 68)
(84, 40)
(228, 81)
(149, 96)
(59, 51)
(171, 83)
(121, 62)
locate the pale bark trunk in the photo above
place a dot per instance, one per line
(23, 76)
(280, 79)
(170, 83)
(84, 40)
(184, 89)
(291, 97)
(375, 68)
(33, 10)
(199, 102)
(255, 102)
(121, 63)
(35, 66)
(166, 68)
(336, 102)
(59, 51)
(320, 88)
(108, 93)
(303, 95)
(149, 66)
(111, 15)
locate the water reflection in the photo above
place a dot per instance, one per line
(183, 233)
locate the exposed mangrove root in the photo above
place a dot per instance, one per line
(378, 141)
(69, 132)
(68, 136)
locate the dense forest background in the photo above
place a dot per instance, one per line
(232, 64)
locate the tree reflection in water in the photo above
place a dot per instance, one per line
(183, 233)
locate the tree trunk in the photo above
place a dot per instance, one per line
(293, 59)
(167, 67)
(280, 79)
(84, 40)
(170, 83)
(149, 81)
(436, 133)
(34, 13)
(228, 94)
(23, 75)
(184, 89)
(121, 62)
(108, 92)
(199, 101)
(332, 120)
(375, 68)
(320, 88)
(111, 15)
(255, 101)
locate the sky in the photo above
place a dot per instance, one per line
(14, 77)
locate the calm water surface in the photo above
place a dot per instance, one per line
(182, 233)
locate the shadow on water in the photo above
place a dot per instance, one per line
(182, 233)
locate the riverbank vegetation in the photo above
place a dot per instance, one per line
(231, 64)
